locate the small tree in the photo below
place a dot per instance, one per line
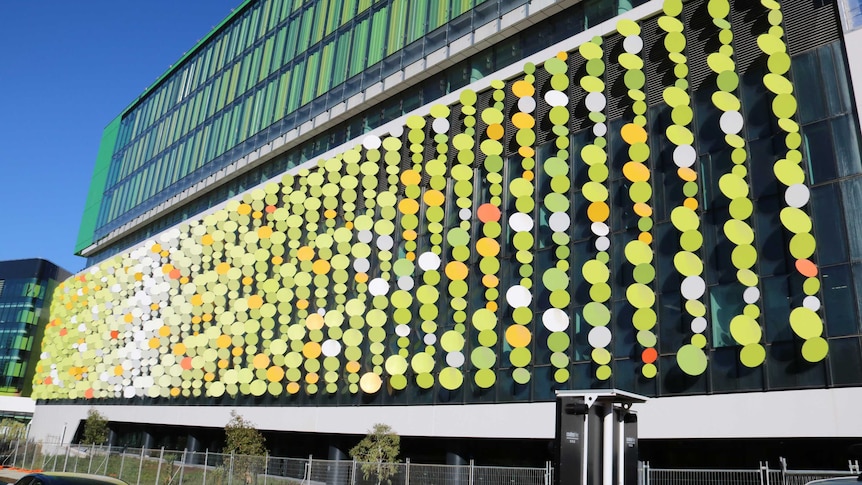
(246, 443)
(378, 453)
(95, 428)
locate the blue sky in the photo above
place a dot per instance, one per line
(67, 68)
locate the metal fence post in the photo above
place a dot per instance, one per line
(15, 456)
(122, 462)
(230, 470)
(646, 473)
(159, 465)
(141, 466)
(66, 461)
(406, 471)
(472, 470)
(183, 466)
(265, 467)
(548, 472)
(206, 463)
(353, 472)
(308, 472)
(24, 458)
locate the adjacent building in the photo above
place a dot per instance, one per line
(435, 214)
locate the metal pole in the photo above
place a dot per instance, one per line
(141, 466)
(92, 452)
(265, 467)
(621, 449)
(24, 458)
(206, 463)
(608, 445)
(406, 470)
(183, 466)
(230, 470)
(15, 457)
(353, 473)
(159, 466)
(122, 462)
(472, 470)
(66, 461)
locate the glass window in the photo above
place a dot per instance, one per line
(807, 77)
(852, 198)
(725, 302)
(817, 149)
(838, 300)
(845, 361)
(787, 370)
(729, 374)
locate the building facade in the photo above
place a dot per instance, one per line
(436, 214)
(26, 289)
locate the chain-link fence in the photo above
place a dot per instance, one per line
(763, 475)
(140, 466)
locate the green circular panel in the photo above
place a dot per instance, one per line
(600, 356)
(725, 101)
(741, 208)
(727, 81)
(422, 363)
(451, 378)
(555, 279)
(592, 155)
(595, 272)
(520, 356)
(669, 24)
(795, 220)
(640, 295)
(644, 273)
(752, 355)
(695, 308)
(815, 349)
(811, 286)
(646, 338)
(771, 44)
(688, 264)
(521, 376)
(745, 330)
(738, 232)
(591, 50)
(784, 105)
(733, 186)
(788, 172)
(684, 219)
(556, 202)
(555, 66)
(691, 240)
(558, 341)
(630, 61)
(603, 373)
(638, 252)
(806, 323)
(640, 192)
(483, 357)
(777, 83)
(600, 292)
(592, 84)
(679, 135)
(674, 42)
(778, 63)
(691, 360)
(719, 62)
(802, 245)
(596, 314)
(682, 115)
(595, 67)
(485, 378)
(744, 256)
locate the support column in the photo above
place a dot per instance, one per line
(338, 468)
(193, 445)
(149, 441)
(459, 475)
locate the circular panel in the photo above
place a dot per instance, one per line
(691, 360)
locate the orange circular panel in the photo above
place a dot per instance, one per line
(247, 280)
(244, 209)
(411, 256)
(487, 247)
(175, 274)
(223, 364)
(645, 237)
(314, 321)
(562, 56)
(649, 355)
(490, 281)
(179, 348)
(528, 175)
(257, 214)
(236, 351)
(352, 367)
(643, 210)
(197, 300)
(88, 393)
(275, 374)
(321, 266)
(523, 120)
(348, 224)
(522, 89)
(264, 232)
(118, 370)
(196, 319)
(408, 206)
(636, 172)
(410, 235)
(302, 304)
(806, 268)
(329, 214)
(207, 239)
(154, 306)
(518, 336)
(277, 260)
(526, 152)
(370, 383)
(491, 306)
(155, 343)
(495, 131)
(165, 331)
(255, 301)
(434, 198)
(361, 278)
(633, 133)
(157, 248)
(184, 279)
(207, 317)
(312, 378)
(292, 388)
(270, 209)
(114, 333)
(166, 269)
(305, 253)
(223, 341)
(488, 213)
(598, 211)
(311, 350)
(175, 391)
(186, 363)
(222, 268)
(687, 174)
(410, 177)
(209, 377)
(690, 203)
(260, 361)
(456, 270)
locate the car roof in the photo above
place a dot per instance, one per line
(827, 481)
(76, 478)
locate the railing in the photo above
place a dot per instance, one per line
(140, 466)
(760, 476)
